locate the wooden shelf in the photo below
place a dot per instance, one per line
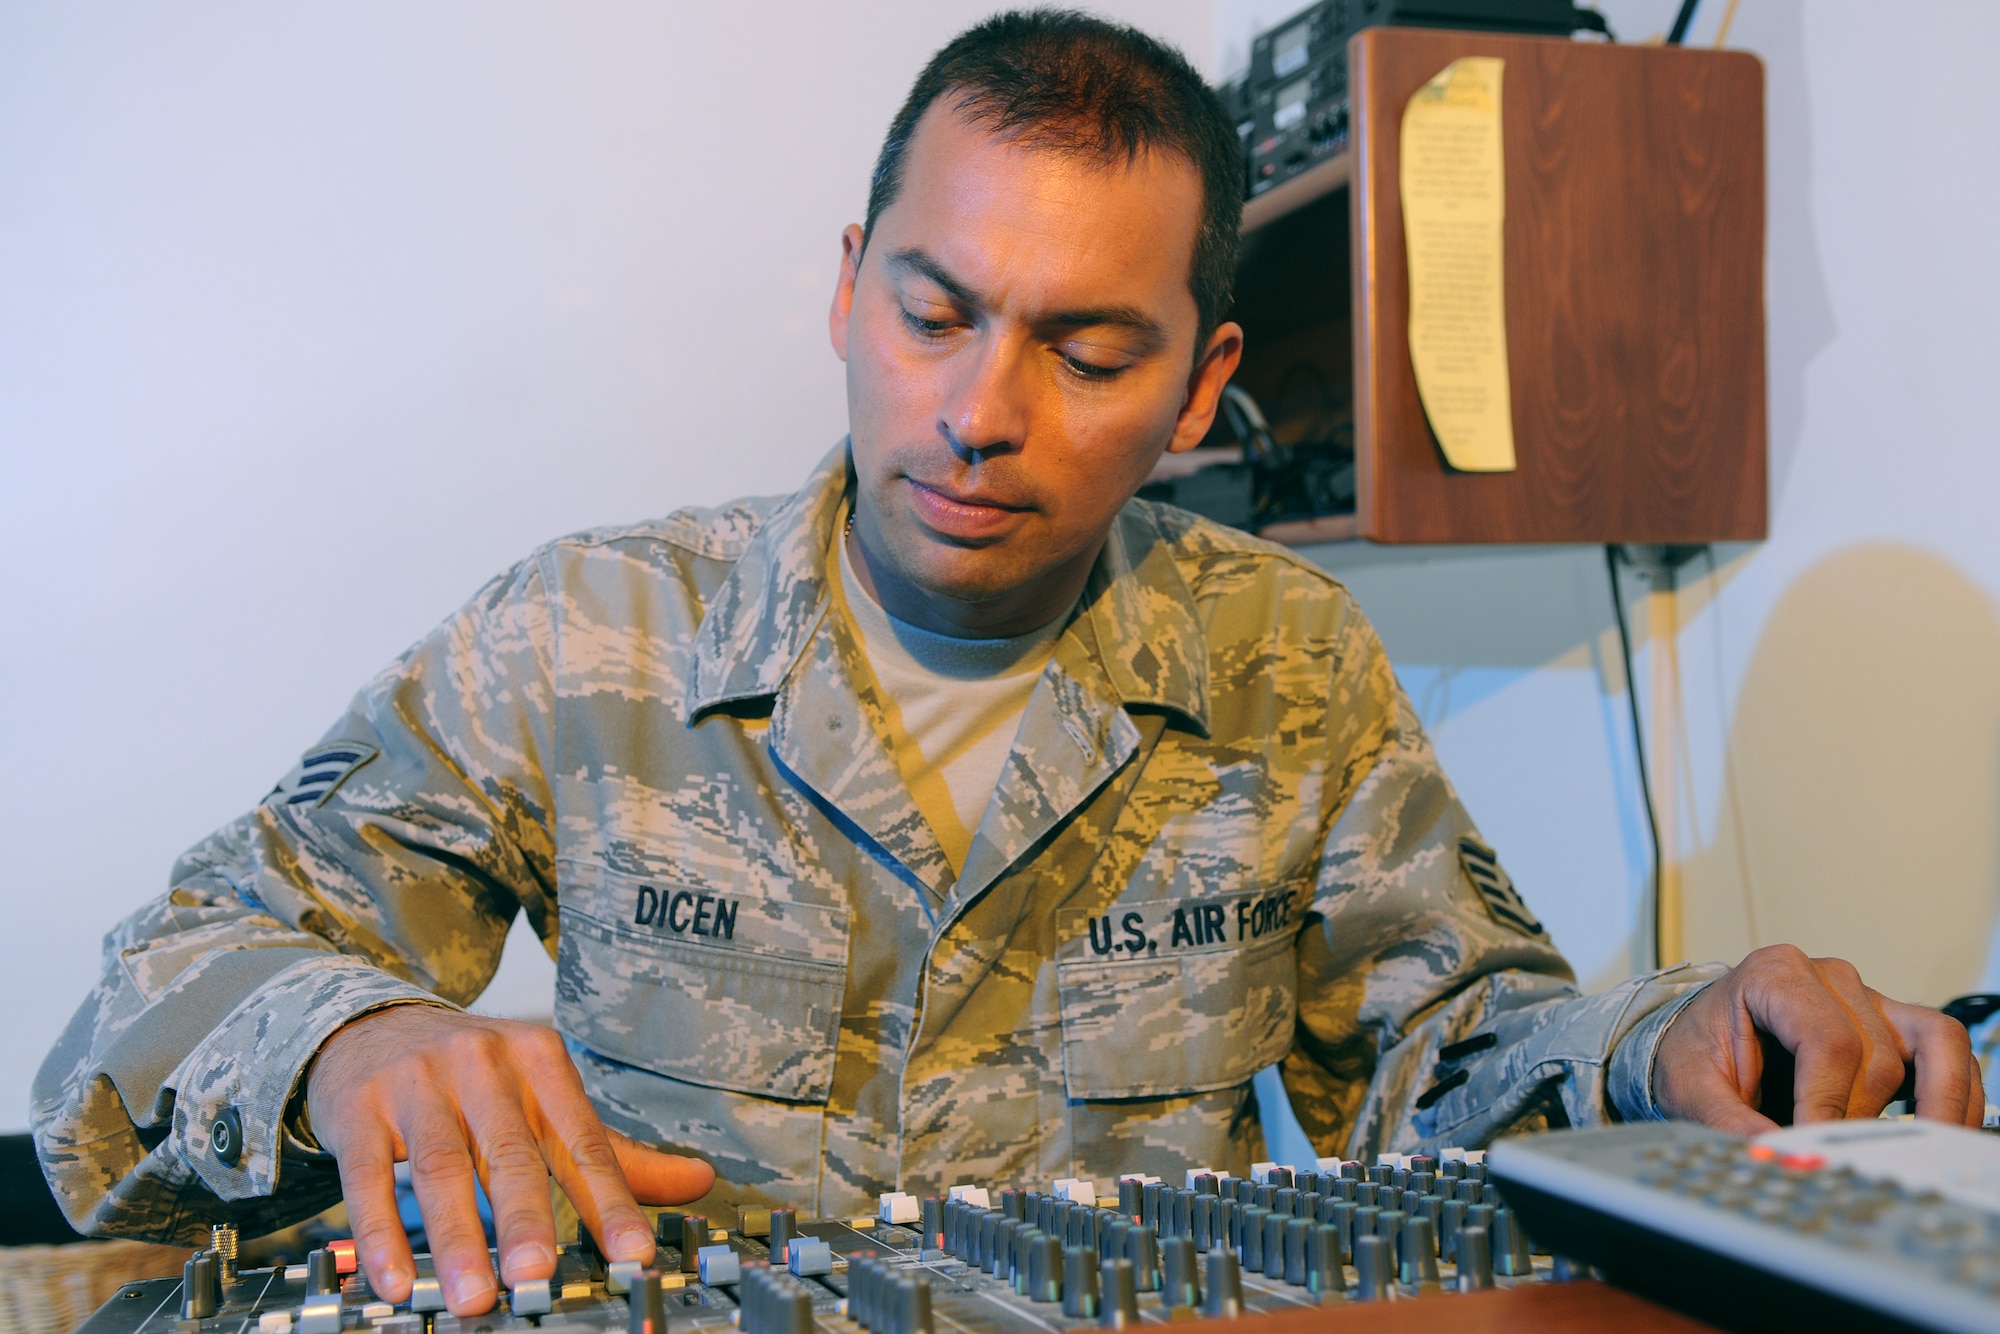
(1634, 299)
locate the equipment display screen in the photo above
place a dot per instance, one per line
(1290, 104)
(1290, 48)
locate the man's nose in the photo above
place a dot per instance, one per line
(986, 412)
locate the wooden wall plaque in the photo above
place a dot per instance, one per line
(1634, 291)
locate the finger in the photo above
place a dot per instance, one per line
(1975, 1106)
(1884, 1059)
(660, 1178)
(1787, 998)
(579, 1154)
(368, 1184)
(1942, 1050)
(1715, 1100)
(441, 1169)
(517, 1184)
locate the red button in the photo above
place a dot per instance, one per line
(1802, 1162)
(344, 1259)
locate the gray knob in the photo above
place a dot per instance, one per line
(1225, 1285)
(1081, 1299)
(322, 1273)
(694, 1236)
(933, 1223)
(784, 1226)
(1025, 1238)
(1325, 1274)
(1201, 1221)
(1120, 1295)
(1374, 1268)
(1368, 1194)
(1450, 1219)
(1180, 1282)
(1510, 1246)
(1419, 1266)
(1343, 1224)
(1142, 1248)
(1274, 1243)
(647, 1310)
(1298, 1231)
(913, 1305)
(1111, 1238)
(1012, 1204)
(1251, 1247)
(1045, 1270)
(1285, 1201)
(201, 1286)
(1475, 1259)
(1204, 1183)
(1149, 1205)
(1129, 1196)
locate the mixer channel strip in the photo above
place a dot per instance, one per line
(975, 1261)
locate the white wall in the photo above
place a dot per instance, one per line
(310, 320)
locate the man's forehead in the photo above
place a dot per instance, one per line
(973, 200)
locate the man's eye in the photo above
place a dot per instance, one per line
(1089, 370)
(927, 328)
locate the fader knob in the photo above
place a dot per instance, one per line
(1251, 1246)
(694, 1236)
(1130, 1190)
(648, 1310)
(933, 1223)
(1119, 1294)
(1450, 1219)
(201, 1287)
(784, 1226)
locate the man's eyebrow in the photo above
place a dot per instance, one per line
(919, 261)
(1096, 317)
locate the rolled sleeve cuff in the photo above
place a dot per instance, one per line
(243, 1074)
(1629, 1078)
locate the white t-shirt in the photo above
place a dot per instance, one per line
(954, 706)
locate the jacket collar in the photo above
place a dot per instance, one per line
(1144, 618)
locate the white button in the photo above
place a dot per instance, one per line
(275, 1322)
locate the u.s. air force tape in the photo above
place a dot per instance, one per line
(1503, 901)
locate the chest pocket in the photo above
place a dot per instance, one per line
(734, 991)
(1175, 996)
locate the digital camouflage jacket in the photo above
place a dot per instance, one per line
(1221, 841)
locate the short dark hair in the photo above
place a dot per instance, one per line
(1071, 83)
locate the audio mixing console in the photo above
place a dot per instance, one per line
(978, 1261)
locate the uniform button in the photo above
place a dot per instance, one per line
(225, 1137)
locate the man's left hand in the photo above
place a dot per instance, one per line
(1850, 1049)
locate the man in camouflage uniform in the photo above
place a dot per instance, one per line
(1219, 840)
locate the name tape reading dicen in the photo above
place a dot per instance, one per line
(681, 912)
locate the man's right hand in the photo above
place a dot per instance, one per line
(461, 1098)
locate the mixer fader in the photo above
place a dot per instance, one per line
(977, 1260)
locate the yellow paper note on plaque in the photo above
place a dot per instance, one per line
(1454, 226)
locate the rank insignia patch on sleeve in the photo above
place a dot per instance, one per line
(320, 771)
(1503, 901)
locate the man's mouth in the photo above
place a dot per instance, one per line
(963, 514)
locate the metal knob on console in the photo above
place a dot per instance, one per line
(1080, 1296)
(1119, 1295)
(1225, 1286)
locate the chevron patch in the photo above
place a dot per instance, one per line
(1503, 901)
(320, 771)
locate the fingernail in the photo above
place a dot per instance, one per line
(467, 1289)
(528, 1255)
(631, 1242)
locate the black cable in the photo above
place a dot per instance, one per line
(1638, 743)
(1681, 22)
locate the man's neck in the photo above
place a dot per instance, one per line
(1017, 612)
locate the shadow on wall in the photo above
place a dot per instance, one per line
(1860, 811)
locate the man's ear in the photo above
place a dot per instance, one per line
(843, 292)
(1211, 372)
